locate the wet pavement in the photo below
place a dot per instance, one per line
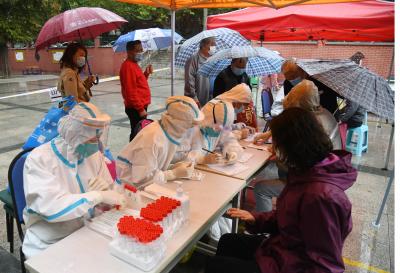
(25, 100)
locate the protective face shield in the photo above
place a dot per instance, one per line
(185, 109)
(218, 115)
(80, 61)
(238, 71)
(241, 93)
(182, 113)
(213, 50)
(85, 129)
(295, 81)
(87, 149)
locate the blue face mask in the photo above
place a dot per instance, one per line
(211, 132)
(237, 111)
(294, 82)
(87, 149)
(238, 71)
(139, 57)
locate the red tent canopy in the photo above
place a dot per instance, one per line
(356, 21)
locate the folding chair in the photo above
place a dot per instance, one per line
(5, 197)
(266, 103)
(16, 184)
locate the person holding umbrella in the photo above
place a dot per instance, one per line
(231, 76)
(197, 86)
(134, 86)
(70, 83)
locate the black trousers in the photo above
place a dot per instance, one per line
(134, 119)
(235, 254)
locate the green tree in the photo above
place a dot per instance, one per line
(21, 21)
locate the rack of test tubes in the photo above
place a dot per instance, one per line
(139, 242)
(166, 212)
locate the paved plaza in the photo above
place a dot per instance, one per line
(367, 249)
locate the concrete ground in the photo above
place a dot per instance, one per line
(367, 249)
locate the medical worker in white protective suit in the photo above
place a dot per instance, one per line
(215, 133)
(66, 177)
(148, 156)
(240, 97)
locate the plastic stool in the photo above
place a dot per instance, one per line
(361, 144)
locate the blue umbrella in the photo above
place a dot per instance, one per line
(151, 38)
(224, 38)
(261, 61)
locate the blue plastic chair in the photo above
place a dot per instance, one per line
(266, 103)
(360, 145)
(16, 184)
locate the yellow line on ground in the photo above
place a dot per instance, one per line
(363, 266)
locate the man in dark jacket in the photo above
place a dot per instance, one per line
(313, 214)
(352, 114)
(231, 76)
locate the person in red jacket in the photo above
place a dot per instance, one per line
(134, 86)
(312, 219)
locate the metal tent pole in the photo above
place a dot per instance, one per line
(172, 51)
(205, 14)
(389, 150)
(389, 185)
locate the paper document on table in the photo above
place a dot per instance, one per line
(244, 157)
(264, 147)
(229, 169)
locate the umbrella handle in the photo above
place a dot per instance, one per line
(96, 82)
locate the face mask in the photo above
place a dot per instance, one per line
(213, 50)
(238, 71)
(294, 82)
(87, 149)
(139, 57)
(237, 111)
(80, 62)
(212, 132)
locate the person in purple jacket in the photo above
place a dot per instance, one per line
(312, 219)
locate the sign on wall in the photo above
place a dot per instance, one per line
(19, 56)
(56, 55)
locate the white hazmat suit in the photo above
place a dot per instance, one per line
(147, 157)
(214, 133)
(57, 177)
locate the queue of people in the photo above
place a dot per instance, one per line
(67, 177)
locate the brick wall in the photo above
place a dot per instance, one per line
(377, 57)
(104, 61)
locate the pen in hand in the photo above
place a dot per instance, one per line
(211, 152)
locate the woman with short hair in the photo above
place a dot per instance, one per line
(307, 230)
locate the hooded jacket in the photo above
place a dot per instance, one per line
(311, 221)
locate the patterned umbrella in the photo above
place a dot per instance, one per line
(353, 82)
(151, 38)
(261, 61)
(224, 38)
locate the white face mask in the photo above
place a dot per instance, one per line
(80, 62)
(213, 50)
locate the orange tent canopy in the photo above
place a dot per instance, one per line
(182, 4)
